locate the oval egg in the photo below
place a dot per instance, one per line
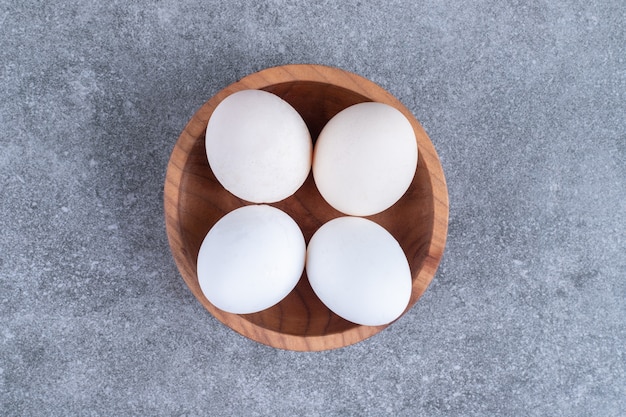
(251, 259)
(359, 271)
(258, 146)
(365, 158)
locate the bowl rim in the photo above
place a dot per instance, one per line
(265, 79)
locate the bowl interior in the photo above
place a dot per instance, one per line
(195, 201)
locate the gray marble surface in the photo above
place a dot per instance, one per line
(525, 103)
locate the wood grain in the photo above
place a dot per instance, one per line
(194, 201)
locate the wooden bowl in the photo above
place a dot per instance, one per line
(194, 201)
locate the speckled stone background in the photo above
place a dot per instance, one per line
(525, 103)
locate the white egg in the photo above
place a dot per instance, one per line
(258, 146)
(365, 158)
(251, 259)
(359, 271)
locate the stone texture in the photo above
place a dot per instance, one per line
(525, 103)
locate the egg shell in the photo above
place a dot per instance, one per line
(358, 269)
(251, 259)
(258, 146)
(365, 158)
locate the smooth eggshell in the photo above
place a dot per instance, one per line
(358, 269)
(258, 146)
(251, 259)
(365, 158)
